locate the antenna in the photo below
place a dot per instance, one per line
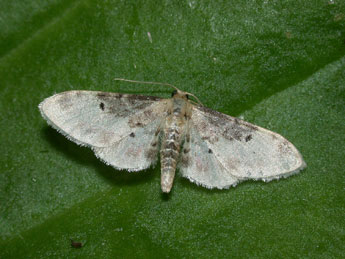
(158, 83)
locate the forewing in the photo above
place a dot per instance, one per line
(100, 119)
(244, 150)
(199, 164)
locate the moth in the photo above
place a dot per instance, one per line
(209, 148)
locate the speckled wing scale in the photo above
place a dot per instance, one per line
(223, 150)
(121, 129)
(209, 148)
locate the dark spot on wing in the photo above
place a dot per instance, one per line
(76, 244)
(154, 144)
(248, 138)
(139, 124)
(210, 151)
(187, 138)
(132, 135)
(101, 105)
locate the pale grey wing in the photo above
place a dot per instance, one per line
(100, 119)
(134, 152)
(244, 150)
(121, 129)
(199, 164)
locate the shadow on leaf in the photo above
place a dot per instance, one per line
(84, 156)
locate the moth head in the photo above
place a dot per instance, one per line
(180, 94)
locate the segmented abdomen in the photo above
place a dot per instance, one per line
(170, 148)
(171, 143)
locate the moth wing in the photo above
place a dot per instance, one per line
(99, 119)
(202, 167)
(134, 152)
(121, 129)
(244, 150)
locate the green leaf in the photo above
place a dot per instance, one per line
(279, 64)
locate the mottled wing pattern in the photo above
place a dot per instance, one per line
(135, 152)
(242, 151)
(199, 164)
(106, 121)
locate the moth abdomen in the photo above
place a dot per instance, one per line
(168, 164)
(169, 153)
(174, 129)
(169, 156)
